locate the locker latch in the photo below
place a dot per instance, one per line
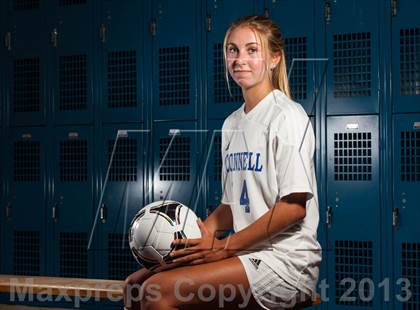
(266, 13)
(152, 28)
(327, 12)
(53, 38)
(329, 216)
(102, 33)
(394, 8)
(103, 213)
(396, 217)
(9, 211)
(8, 41)
(208, 23)
(55, 212)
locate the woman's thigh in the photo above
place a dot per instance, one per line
(218, 284)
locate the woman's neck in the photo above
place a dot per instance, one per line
(254, 95)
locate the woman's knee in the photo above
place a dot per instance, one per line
(137, 277)
(156, 291)
(132, 286)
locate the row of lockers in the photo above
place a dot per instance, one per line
(58, 221)
(127, 62)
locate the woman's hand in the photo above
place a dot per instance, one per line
(201, 250)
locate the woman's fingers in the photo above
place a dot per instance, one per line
(185, 251)
(186, 242)
(188, 258)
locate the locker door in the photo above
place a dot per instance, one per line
(69, 213)
(123, 195)
(354, 261)
(74, 59)
(352, 49)
(27, 66)
(298, 31)
(122, 64)
(176, 153)
(24, 226)
(3, 63)
(220, 14)
(322, 229)
(214, 167)
(176, 59)
(406, 231)
(406, 57)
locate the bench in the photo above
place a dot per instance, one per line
(33, 288)
(309, 303)
(80, 288)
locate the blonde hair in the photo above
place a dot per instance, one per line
(272, 42)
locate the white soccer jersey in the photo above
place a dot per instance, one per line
(267, 154)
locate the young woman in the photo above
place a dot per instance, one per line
(269, 196)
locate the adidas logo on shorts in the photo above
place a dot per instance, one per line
(256, 262)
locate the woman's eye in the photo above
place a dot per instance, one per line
(232, 50)
(252, 50)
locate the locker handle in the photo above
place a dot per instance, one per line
(8, 41)
(102, 33)
(329, 216)
(396, 217)
(394, 8)
(208, 23)
(53, 38)
(103, 213)
(55, 212)
(9, 210)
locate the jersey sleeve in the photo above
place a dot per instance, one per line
(294, 145)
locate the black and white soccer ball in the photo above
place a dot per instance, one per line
(155, 226)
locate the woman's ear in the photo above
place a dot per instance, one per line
(275, 59)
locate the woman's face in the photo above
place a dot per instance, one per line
(245, 60)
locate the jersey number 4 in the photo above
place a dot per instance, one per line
(244, 200)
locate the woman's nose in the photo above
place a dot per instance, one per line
(241, 58)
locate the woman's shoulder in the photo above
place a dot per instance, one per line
(286, 109)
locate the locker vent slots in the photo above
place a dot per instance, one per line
(352, 64)
(353, 156)
(296, 48)
(176, 166)
(26, 253)
(124, 165)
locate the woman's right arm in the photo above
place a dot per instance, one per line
(220, 220)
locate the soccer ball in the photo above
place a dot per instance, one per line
(155, 226)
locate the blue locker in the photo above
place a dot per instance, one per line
(27, 67)
(176, 59)
(406, 56)
(219, 16)
(122, 61)
(353, 211)
(3, 62)
(322, 229)
(122, 196)
(176, 157)
(74, 36)
(69, 213)
(24, 222)
(213, 145)
(299, 35)
(406, 231)
(352, 48)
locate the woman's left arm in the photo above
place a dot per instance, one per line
(288, 211)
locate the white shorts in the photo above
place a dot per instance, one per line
(269, 289)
